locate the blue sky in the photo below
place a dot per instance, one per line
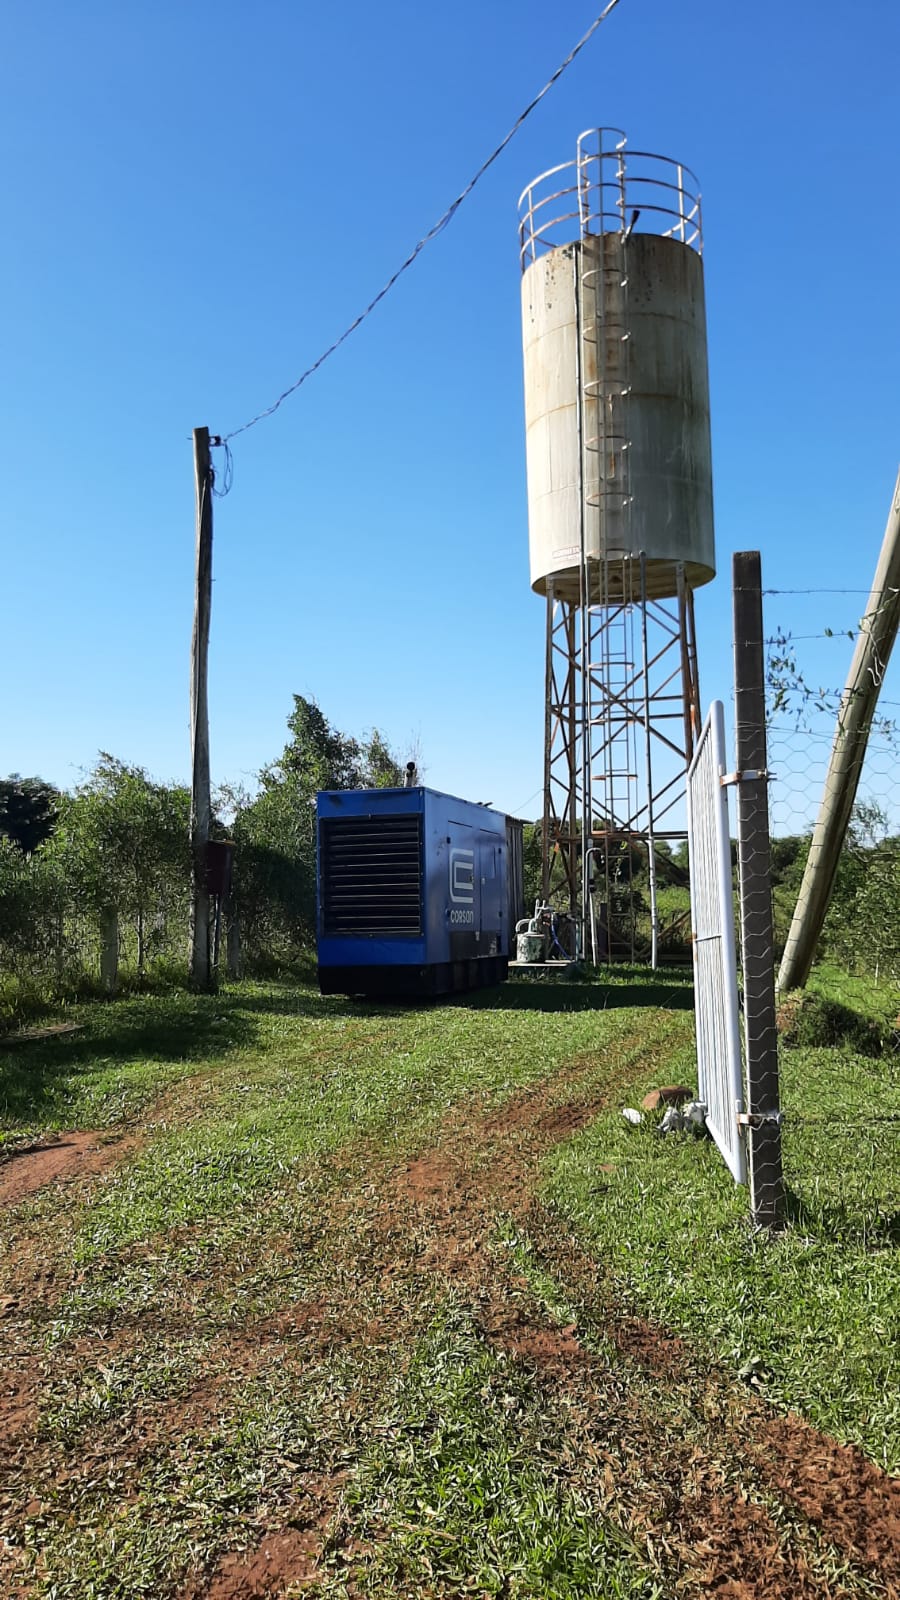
(198, 200)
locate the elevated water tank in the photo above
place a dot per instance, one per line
(616, 383)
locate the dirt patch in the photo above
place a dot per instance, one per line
(19, 1389)
(563, 1121)
(839, 1490)
(285, 1558)
(662, 1353)
(430, 1175)
(740, 1555)
(547, 1349)
(69, 1156)
(529, 1110)
(281, 1558)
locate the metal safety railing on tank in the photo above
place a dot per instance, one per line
(609, 189)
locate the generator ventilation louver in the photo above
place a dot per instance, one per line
(371, 875)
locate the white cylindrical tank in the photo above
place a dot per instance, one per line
(617, 394)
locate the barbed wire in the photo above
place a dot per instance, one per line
(432, 233)
(806, 638)
(886, 590)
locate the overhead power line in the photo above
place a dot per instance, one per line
(432, 233)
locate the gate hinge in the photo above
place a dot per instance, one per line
(747, 775)
(758, 1119)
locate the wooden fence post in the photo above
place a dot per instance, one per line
(757, 931)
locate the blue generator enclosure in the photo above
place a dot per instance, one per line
(414, 892)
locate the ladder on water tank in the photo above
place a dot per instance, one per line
(611, 677)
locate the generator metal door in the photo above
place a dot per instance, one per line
(463, 891)
(492, 854)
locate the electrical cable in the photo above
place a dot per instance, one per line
(527, 802)
(432, 233)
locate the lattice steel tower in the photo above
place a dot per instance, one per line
(620, 513)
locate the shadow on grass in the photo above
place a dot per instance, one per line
(675, 993)
(300, 1003)
(42, 1077)
(630, 986)
(38, 1076)
(874, 1229)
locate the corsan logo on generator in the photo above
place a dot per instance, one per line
(462, 878)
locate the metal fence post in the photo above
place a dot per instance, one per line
(763, 1116)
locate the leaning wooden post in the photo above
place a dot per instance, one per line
(877, 634)
(201, 809)
(763, 1116)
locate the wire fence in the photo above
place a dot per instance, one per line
(841, 1154)
(837, 1102)
(810, 643)
(59, 953)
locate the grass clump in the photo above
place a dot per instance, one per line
(462, 1492)
(130, 1534)
(292, 1085)
(812, 1316)
(815, 1020)
(75, 1407)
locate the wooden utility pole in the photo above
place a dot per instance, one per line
(202, 976)
(877, 633)
(763, 1116)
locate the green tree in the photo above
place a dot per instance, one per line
(377, 765)
(532, 834)
(862, 929)
(275, 832)
(28, 811)
(32, 903)
(122, 843)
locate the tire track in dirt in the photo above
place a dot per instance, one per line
(835, 1487)
(33, 1271)
(680, 1477)
(82, 1153)
(457, 1189)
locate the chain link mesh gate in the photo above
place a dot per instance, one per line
(715, 963)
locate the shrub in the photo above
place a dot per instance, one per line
(811, 1020)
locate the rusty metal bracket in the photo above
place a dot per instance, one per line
(748, 775)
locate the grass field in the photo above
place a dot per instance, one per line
(349, 1301)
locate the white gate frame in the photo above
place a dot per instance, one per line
(715, 963)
